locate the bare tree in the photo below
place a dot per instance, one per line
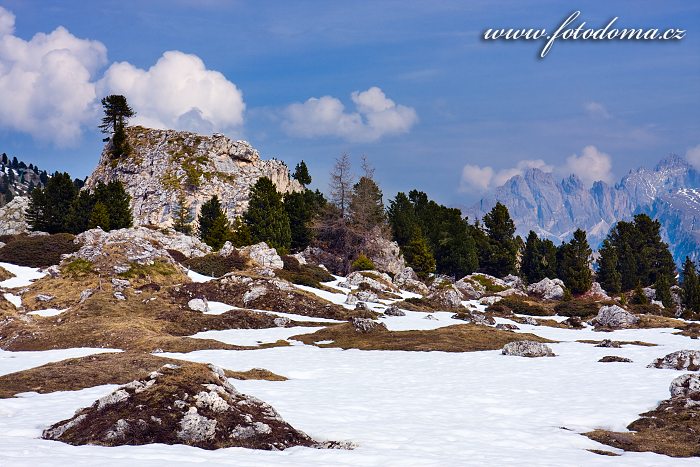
(341, 183)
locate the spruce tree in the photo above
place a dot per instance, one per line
(419, 256)
(502, 249)
(690, 286)
(532, 260)
(663, 291)
(36, 211)
(118, 203)
(99, 217)
(210, 211)
(218, 233)
(59, 194)
(366, 208)
(301, 174)
(266, 216)
(608, 273)
(182, 217)
(79, 213)
(117, 114)
(575, 264)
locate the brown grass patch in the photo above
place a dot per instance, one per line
(95, 370)
(670, 429)
(38, 251)
(642, 343)
(602, 452)
(5, 274)
(457, 338)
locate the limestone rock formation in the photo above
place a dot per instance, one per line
(686, 386)
(12, 216)
(193, 405)
(614, 316)
(680, 360)
(527, 349)
(165, 164)
(547, 289)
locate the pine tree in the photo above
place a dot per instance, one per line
(502, 249)
(663, 291)
(117, 114)
(219, 232)
(36, 211)
(608, 273)
(690, 286)
(210, 211)
(301, 174)
(532, 260)
(575, 264)
(118, 203)
(79, 213)
(366, 208)
(182, 216)
(402, 220)
(419, 256)
(240, 233)
(638, 297)
(266, 217)
(302, 208)
(99, 217)
(59, 194)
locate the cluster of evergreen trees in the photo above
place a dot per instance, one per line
(61, 206)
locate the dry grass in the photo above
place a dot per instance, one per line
(594, 342)
(602, 452)
(95, 370)
(671, 429)
(5, 274)
(457, 338)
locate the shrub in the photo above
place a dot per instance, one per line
(77, 268)
(650, 309)
(38, 251)
(579, 308)
(519, 306)
(215, 265)
(488, 284)
(362, 263)
(159, 268)
(303, 274)
(177, 256)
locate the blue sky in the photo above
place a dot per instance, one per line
(434, 107)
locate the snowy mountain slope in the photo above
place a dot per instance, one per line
(670, 192)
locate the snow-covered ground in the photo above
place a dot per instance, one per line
(24, 275)
(401, 408)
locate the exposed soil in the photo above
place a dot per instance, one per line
(457, 338)
(672, 429)
(95, 370)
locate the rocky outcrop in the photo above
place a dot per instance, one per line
(547, 289)
(681, 360)
(369, 280)
(12, 216)
(366, 325)
(165, 164)
(613, 316)
(527, 349)
(687, 386)
(445, 296)
(262, 255)
(193, 405)
(596, 292)
(614, 359)
(318, 257)
(393, 310)
(407, 279)
(385, 254)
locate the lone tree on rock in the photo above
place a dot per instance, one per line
(117, 114)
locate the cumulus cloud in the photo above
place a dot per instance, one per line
(478, 179)
(50, 87)
(46, 86)
(693, 156)
(596, 110)
(177, 92)
(591, 166)
(375, 116)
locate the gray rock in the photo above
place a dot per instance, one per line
(609, 343)
(527, 349)
(615, 317)
(263, 255)
(547, 289)
(507, 327)
(681, 360)
(366, 325)
(407, 279)
(120, 283)
(614, 359)
(119, 296)
(446, 296)
(198, 304)
(393, 310)
(686, 386)
(12, 216)
(85, 294)
(44, 298)
(530, 321)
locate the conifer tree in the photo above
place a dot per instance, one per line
(117, 114)
(502, 249)
(301, 174)
(210, 213)
(36, 211)
(219, 232)
(79, 213)
(608, 273)
(690, 286)
(182, 217)
(266, 217)
(575, 268)
(99, 217)
(302, 208)
(419, 256)
(663, 291)
(403, 220)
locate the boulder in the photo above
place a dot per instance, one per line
(547, 289)
(614, 316)
(361, 296)
(13, 220)
(527, 349)
(407, 279)
(44, 298)
(514, 282)
(385, 254)
(198, 304)
(470, 289)
(609, 343)
(614, 358)
(366, 325)
(193, 405)
(488, 301)
(263, 255)
(393, 310)
(507, 327)
(375, 281)
(530, 321)
(475, 317)
(596, 292)
(448, 297)
(687, 386)
(574, 322)
(681, 360)
(318, 257)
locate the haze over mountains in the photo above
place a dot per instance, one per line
(554, 209)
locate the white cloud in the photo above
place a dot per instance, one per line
(693, 156)
(596, 110)
(375, 116)
(479, 179)
(46, 86)
(50, 87)
(591, 166)
(177, 92)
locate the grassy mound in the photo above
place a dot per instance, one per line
(303, 274)
(38, 251)
(216, 266)
(520, 306)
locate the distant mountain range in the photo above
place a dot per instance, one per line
(670, 192)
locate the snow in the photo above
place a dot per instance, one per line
(255, 336)
(197, 277)
(24, 275)
(16, 300)
(337, 298)
(48, 312)
(218, 308)
(11, 362)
